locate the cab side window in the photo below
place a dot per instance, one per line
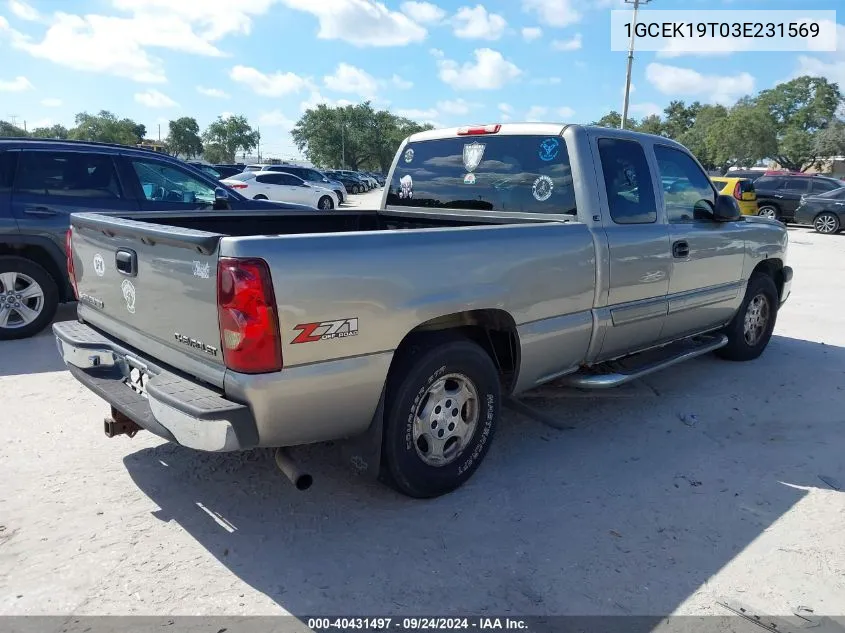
(627, 180)
(688, 193)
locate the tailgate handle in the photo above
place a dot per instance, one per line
(126, 262)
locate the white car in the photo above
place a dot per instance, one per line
(273, 185)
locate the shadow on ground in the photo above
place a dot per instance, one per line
(628, 513)
(35, 355)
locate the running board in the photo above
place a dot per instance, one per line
(618, 372)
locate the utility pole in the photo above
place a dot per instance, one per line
(258, 129)
(159, 132)
(636, 4)
(342, 145)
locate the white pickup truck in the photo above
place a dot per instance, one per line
(503, 257)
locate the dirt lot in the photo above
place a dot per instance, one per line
(633, 511)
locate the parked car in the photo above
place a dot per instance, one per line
(365, 182)
(374, 184)
(229, 170)
(308, 174)
(282, 187)
(779, 196)
(350, 183)
(379, 178)
(825, 211)
(43, 181)
(353, 326)
(742, 189)
(207, 169)
(751, 174)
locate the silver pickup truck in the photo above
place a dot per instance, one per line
(502, 257)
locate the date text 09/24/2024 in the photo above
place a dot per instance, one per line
(415, 624)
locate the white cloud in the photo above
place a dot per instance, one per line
(51, 102)
(402, 84)
(348, 78)
(546, 81)
(489, 72)
(423, 12)
(572, 44)
(645, 109)
(18, 84)
(274, 85)
(417, 114)
(436, 52)
(315, 99)
(154, 99)
(531, 33)
(275, 118)
(213, 92)
(458, 106)
(477, 24)
(831, 66)
(723, 88)
(536, 113)
(360, 22)
(554, 12)
(565, 112)
(24, 11)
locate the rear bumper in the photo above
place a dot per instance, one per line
(787, 284)
(174, 408)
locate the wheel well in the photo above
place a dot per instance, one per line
(40, 256)
(774, 269)
(494, 330)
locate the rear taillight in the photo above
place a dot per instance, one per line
(481, 129)
(71, 272)
(738, 191)
(241, 186)
(246, 309)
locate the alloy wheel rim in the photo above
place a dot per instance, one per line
(825, 224)
(21, 300)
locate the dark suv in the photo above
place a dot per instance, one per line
(42, 182)
(779, 195)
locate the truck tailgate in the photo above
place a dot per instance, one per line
(152, 286)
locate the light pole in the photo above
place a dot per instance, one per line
(636, 4)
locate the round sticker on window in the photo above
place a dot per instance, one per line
(409, 155)
(549, 149)
(469, 179)
(542, 188)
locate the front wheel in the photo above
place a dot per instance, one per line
(826, 223)
(443, 402)
(768, 211)
(325, 204)
(751, 328)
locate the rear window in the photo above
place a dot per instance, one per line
(243, 176)
(836, 194)
(514, 174)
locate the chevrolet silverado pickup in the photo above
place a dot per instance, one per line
(502, 257)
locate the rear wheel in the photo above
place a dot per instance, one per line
(325, 203)
(768, 211)
(260, 196)
(29, 297)
(826, 223)
(357, 188)
(751, 328)
(443, 402)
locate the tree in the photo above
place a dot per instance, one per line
(679, 118)
(105, 127)
(7, 129)
(54, 131)
(225, 137)
(831, 140)
(651, 124)
(184, 137)
(800, 109)
(612, 119)
(741, 137)
(354, 136)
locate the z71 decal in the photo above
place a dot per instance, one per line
(326, 331)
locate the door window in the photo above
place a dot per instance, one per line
(67, 174)
(687, 192)
(7, 170)
(290, 181)
(627, 180)
(768, 183)
(163, 183)
(821, 186)
(269, 178)
(796, 185)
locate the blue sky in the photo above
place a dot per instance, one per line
(449, 62)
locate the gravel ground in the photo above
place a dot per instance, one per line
(633, 511)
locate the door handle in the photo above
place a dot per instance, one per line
(39, 211)
(126, 262)
(680, 249)
(778, 195)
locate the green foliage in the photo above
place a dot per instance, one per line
(7, 129)
(831, 140)
(105, 127)
(354, 136)
(184, 137)
(225, 137)
(611, 119)
(54, 131)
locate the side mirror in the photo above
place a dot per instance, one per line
(726, 209)
(221, 199)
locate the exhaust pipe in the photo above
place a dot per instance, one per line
(119, 424)
(301, 480)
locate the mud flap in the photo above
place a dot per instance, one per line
(363, 452)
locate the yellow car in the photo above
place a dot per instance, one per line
(740, 188)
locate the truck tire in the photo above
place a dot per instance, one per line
(442, 406)
(751, 328)
(29, 297)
